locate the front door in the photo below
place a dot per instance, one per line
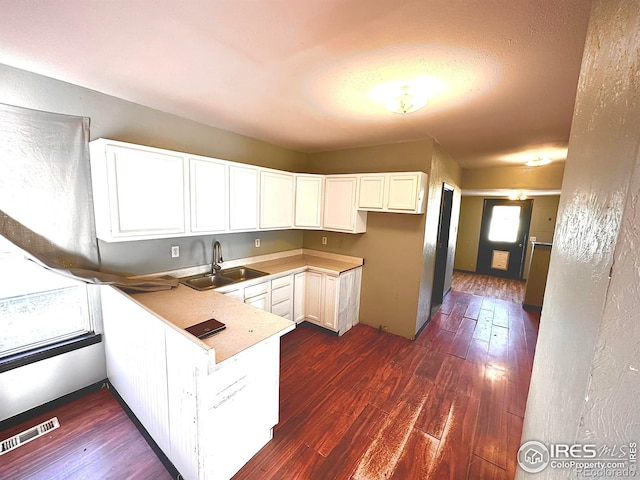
(503, 237)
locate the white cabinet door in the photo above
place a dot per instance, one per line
(371, 192)
(313, 297)
(340, 205)
(329, 302)
(146, 192)
(276, 199)
(243, 198)
(308, 201)
(403, 192)
(299, 294)
(208, 189)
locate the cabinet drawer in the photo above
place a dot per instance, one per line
(280, 294)
(254, 290)
(235, 294)
(282, 309)
(281, 282)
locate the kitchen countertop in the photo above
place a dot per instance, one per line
(327, 265)
(246, 326)
(183, 306)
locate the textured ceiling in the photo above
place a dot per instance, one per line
(298, 73)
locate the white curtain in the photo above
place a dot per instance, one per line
(46, 204)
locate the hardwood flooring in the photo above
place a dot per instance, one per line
(367, 405)
(488, 286)
(371, 405)
(96, 440)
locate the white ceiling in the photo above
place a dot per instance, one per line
(298, 73)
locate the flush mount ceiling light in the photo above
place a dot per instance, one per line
(538, 162)
(406, 101)
(518, 196)
(408, 96)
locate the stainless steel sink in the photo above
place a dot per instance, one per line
(207, 282)
(222, 278)
(240, 274)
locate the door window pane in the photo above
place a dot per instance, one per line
(505, 220)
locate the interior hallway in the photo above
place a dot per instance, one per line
(366, 405)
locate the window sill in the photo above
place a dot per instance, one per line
(55, 349)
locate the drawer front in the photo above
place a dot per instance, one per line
(235, 294)
(254, 290)
(281, 282)
(282, 309)
(280, 294)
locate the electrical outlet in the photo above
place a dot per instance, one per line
(257, 242)
(533, 239)
(324, 240)
(175, 251)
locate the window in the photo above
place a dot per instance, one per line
(505, 222)
(37, 307)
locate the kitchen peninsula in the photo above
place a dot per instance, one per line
(211, 404)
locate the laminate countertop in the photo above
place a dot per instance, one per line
(182, 307)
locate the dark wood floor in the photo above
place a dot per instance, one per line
(488, 286)
(367, 405)
(371, 405)
(96, 440)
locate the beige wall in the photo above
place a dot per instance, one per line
(398, 248)
(547, 177)
(468, 233)
(443, 170)
(543, 221)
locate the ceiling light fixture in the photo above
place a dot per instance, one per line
(407, 101)
(406, 96)
(538, 162)
(518, 196)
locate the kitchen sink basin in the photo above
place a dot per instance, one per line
(240, 274)
(207, 282)
(223, 278)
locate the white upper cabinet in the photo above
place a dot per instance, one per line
(406, 192)
(208, 190)
(243, 197)
(138, 192)
(371, 196)
(276, 199)
(340, 208)
(308, 203)
(397, 192)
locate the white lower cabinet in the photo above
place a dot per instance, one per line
(313, 297)
(331, 301)
(299, 293)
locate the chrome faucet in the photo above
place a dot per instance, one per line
(216, 258)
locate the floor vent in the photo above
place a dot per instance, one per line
(28, 435)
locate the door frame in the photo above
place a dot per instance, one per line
(442, 245)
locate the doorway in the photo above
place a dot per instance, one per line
(503, 237)
(442, 246)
